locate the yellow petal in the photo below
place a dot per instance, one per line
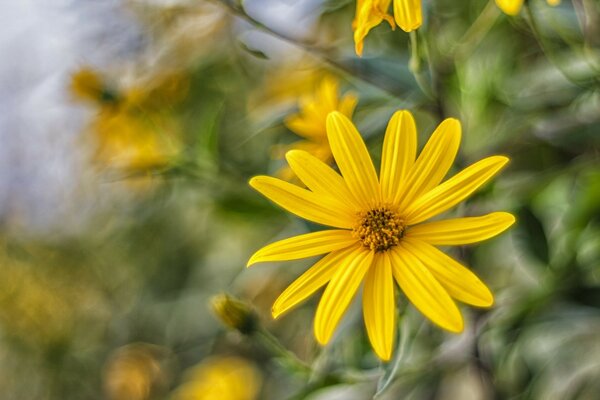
(407, 14)
(340, 291)
(553, 3)
(433, 163)
(352, 158)
(320, 178)
(309, 128)
(310, 281)
(424, 291)
(460, 283)
(398, 155)
(327, 95)
(510, 7)
(454, 190)
(459, 231)
(303, 246)
(379, 306)
(304, 203)
(369, 14)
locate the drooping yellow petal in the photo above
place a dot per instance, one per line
(454, 190)
(553, 3)
(304, 246)
(369, 14)
(302, 202)
(340, 291)
(460, 283)
(352, 158)
(320, 178)
(310, 281)
(424, 291)
(510, 7)
(459, 231)
(433, 163)
(379, 306)
(398, 155)
(407, 14)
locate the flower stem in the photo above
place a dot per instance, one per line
(310, 48)
(415, 67)
(477, 31)
(272, 344)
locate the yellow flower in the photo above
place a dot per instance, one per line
(310, 121)
(512, 7)
(380, 230)
(128, 143)
(132, 372)
(130, 131)
(370, 13)
(222, 378)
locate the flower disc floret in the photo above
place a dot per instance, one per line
(379, 229)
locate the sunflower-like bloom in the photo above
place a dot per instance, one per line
(380, 231)
(370, 13)
(512, 7)
(310, 121)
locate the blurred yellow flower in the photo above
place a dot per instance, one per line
(512, 7)
(310, 121)
(130, 132)
(370, 13)
(128, 143)
(221, 378)
(381, 230)
(132, 372)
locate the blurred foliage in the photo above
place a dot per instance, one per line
(120, 309)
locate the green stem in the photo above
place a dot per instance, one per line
(415, 67)
(309, 48)
(272, 344)
(477, 31)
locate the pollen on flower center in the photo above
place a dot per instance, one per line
(379, 229)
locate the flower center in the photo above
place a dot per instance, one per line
(379, 229)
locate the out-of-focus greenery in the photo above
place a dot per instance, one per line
(120, 310)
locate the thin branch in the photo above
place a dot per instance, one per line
(309, 48)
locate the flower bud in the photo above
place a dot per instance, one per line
(234, 314)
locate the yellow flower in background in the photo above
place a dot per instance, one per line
(380, 230)
(130, 131)
(370, 13)
(513, 7)
(221, 378)
(133, 372)
(129, 143)
(310, 121)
